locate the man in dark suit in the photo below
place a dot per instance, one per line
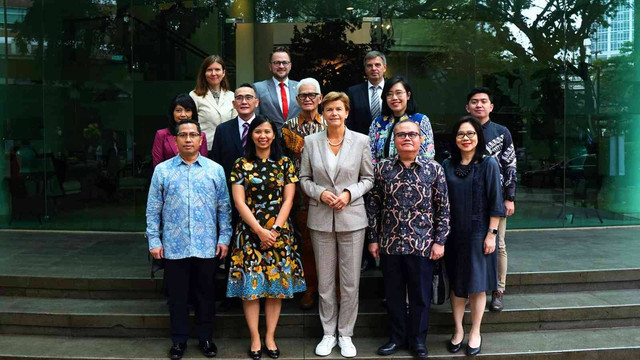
(365, 98)
(366, 104)
(228, 145)
(278, 94)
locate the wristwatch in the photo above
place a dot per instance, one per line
(276, 228)
(493, 231)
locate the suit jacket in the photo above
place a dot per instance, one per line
(354, 173)
(359, 118)
(226, 149)
(269, 105)
(164, 146)
(211, 114)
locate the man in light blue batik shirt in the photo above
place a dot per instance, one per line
(189, 226)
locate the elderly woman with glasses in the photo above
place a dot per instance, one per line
(398, 104)
(475, 196)
(308, 122)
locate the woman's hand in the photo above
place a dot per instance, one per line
(489, 244)
(328, 197)
(267, 238)
(341, 201)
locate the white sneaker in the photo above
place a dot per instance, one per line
(347, 349)
(327, 344)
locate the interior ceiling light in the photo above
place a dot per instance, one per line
(350, 8)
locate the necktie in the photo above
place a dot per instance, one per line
(375, 102)
(245, 131)
(285, 102)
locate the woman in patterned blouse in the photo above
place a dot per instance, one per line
(398, 104)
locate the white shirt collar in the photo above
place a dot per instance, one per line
(241, 122)
(275, 81)
(369, 85)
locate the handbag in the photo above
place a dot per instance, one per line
(440, 283)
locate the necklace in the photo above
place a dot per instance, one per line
(338, 144)
(462, 170)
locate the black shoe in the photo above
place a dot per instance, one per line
(420, 351)
(496, 301)
(209, 348)
(454, 348)
(274, 354)
(177, 350)
(255, 355)
(388, 348)
(474, 351)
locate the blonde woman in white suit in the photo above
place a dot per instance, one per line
(335, 172)
(212, 96)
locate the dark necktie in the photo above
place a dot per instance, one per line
(245, 131)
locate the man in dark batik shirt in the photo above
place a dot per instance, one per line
(499, 145)
(408, 210)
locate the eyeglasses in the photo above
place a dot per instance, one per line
(397, 94)
(468, 134)
(192, 135)
(281, 63)
(240, 98)
(310, 96)
(411, 135)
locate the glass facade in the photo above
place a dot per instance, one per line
(86, 83)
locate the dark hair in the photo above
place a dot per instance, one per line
(249, 86)
(186, 102)
(250, 151)
(280, 49)
(187, 121)
(201, 81)
(481, 148)
(412, 106)
(480, 90)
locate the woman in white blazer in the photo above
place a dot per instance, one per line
(335, 172)
(212, 96)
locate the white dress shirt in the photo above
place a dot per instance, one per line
(286, 89)
(241, 124)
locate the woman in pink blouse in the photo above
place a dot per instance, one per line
(164, 146)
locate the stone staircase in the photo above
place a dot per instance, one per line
(592, 314)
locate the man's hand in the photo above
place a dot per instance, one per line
(221, 250)
(437, 251)
(341, 201)
(157, 253)
(374, 249)
(509, 207)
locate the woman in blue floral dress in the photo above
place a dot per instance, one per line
(265, 262)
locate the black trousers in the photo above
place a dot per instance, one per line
(178, 275)
(415, 273)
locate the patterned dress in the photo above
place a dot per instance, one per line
(275, 272)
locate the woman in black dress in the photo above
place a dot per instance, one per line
(476, 203)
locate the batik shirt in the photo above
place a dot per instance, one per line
(382, 128)
(188, 211)
(500, 146)
(408, 208)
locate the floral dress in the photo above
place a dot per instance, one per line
(275, 272)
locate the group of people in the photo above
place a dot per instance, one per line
(295, 185)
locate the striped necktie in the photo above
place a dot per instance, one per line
(245, 131)
(375, 102)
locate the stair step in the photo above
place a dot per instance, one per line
(371, 285)
(610, 344)
(149, 317)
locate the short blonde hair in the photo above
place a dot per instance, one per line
(336, 96)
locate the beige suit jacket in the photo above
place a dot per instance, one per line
(354, 173)
(211, 114)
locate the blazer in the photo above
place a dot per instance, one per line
(227, 145)
(359, 119)
(212, 114)
(354, 173)
(269, 105)
(164, 146)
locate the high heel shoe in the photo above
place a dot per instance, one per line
(454, 348)
(274, 354)
(255, 355)
(474, 351)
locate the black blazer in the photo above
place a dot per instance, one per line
(359, 119)
(226, 149)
